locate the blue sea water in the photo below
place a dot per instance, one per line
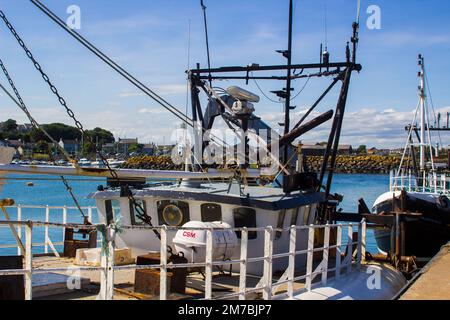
(53, 193)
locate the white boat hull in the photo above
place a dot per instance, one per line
(373, 281)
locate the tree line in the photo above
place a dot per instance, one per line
(9, 130)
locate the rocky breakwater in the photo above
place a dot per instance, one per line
(358, 164)
(151, 163)
(344, 164)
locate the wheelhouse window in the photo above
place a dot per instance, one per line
(294, 216)
(173, 213)
(112, 208)
(135, 213)
(245, 217)
(211, 212)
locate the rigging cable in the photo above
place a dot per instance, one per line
(265, 95)
(207, 39)
(432, 105)
(326, 25)
(172, 109)
(301, 90)
(24, 108)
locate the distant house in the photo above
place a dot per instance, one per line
(125, 144)
(320, 148)
(18, 144)
(15, 143)
(164, 150)
(315, 150)
(149, 149)
(109, 148)
(378, 152)
(345, 150)
(398, 151)
(26, 127)
(70, 146)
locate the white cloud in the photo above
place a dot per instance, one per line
(164, 89)
(370, 126)
(398, 39)
(154, 110)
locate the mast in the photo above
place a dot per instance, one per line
(422, 113)
(287, 110)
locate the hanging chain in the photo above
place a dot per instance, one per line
(24, 108)
(139, 208)
(68, 188)
(21, 104)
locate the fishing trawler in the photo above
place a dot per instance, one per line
(418, 188)
(237, 195)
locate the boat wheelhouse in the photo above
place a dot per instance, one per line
(175, 205)
(417, 188)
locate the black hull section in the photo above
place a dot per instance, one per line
(424, 236)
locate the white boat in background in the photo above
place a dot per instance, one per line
(113, 163)
(418, 188)
(83, 162)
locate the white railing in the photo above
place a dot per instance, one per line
(50, 212)
(266, 285)
(431, 182)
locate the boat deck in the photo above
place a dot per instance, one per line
(53, 286)
(434, 281)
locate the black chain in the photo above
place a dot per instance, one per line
(139, 209)
(37, 126)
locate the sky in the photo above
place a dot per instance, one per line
(151, 39)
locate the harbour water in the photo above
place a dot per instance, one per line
(48, 190)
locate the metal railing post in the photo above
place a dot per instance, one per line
(163, 269)
(338, 251)
(291, 266)
(29, 260)
(243, 264)
(390, 180)
(268, 252)
(110, 275)
(326, 250)
(19, 229)
(47, 220)
(107, 264)
(310, 256)
(350, 247)
(64, 221)
(90, 214)
(361, 242)
(208, 265)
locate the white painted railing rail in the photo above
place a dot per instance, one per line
(430, 182)
(50, 213)
(267, 286)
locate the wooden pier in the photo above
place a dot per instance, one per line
(433, 282)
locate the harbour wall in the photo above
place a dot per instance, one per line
(370, 164)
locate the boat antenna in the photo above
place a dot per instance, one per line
(422, 112)
(355, 37)
(205, 20)
(288, 55)
(358, 11)
(326, 26)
